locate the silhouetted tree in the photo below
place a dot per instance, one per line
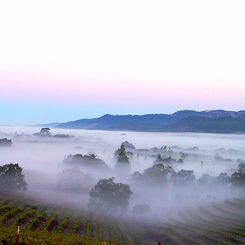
(183, 177)
(45, 132)
(110, 196)
(11, 178)
(158, 174)
(206, 179)
(167, 160)
(223, 178)
(238, 178)
(5, 142)
(89, 161)
(122, 159)
(241, 166)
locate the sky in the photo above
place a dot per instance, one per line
(66, 60)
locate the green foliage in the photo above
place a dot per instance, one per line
(108, 195)
(89, 228)
(38, 228)
(37, 221)
(76, 226)
(43, 238)
(45, 132)
(4, 209)
(100, 230)
(89, 161)
(216, 224)
(5, 142)
(183, 177)
(206, 179)
(122, 159)
(238, 177)
(11, 178)
(167, 160)
(112, 234)
(24, 216)
(10, 214)
(52, 222)
(63, 225)
(121, 154)
(241, 166)
(158, 174)
(223, 178)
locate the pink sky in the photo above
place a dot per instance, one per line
(78, 89)
(87, 58)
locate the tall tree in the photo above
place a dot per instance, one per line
(122, 158)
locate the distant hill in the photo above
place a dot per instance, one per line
(216, 121)
(49, 125)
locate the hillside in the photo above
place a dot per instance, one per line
(216, 121)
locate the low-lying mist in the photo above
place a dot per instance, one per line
(54, 175)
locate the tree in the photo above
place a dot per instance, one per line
(88, 161)
(122, 158)
(158, 160)
(168, 160)
(238, 178)
(158, 174)
(45, 132)
(206, 179)
(11, 178)
(5, 142)
(223, 178)
(110, 196)
(241, 167)
(184, 177)
(129, 146)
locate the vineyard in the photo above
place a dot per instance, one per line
(217, 224)
(45, 225)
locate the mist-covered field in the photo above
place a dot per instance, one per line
(53, 180)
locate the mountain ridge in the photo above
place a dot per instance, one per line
(209, 121)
